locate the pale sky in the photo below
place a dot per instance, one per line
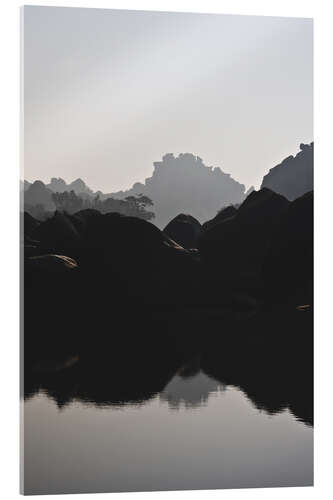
(108, 92)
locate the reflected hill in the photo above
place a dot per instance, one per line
(190, 392)
(102, 382)
(270, 358)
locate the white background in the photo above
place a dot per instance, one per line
(322, 12)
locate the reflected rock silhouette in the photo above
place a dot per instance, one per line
(190, 392)
(270, 358)
(114, 380)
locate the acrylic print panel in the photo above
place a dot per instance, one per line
(168, 208)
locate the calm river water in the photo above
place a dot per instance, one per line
(195, 434)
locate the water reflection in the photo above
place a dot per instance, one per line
(190, 391)
(268, 356)
(229, 407)
(100, 384)
(195, 434)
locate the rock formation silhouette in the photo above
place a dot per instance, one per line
(288, 266)
(293, 177)
(224, 213)
(58, 232)
(184, 184)
(236, 246)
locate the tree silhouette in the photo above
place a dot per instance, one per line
(70, 202)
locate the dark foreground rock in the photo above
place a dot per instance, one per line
(184, 229)
(235, 247)
(225, 213)
(29, 225)
(288, 266)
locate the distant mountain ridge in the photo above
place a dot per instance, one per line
(38, 194)
(183, 184)
(58, 185)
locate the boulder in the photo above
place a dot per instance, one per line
(54, 316)
(222, 215)
(236, 246)
(51, 263)
(288, 267)
(59, 234)
(31, 250)
(30, 224)
(184, 229)
(137, 255)
(83, 218)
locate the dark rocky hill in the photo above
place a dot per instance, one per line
(184, 229)
(293, 177)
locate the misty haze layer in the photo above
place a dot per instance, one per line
(108, 92)
(179, 185)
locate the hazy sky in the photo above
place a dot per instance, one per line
(107, 92)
